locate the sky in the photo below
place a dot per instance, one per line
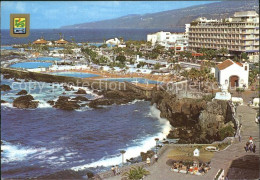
(54, 14)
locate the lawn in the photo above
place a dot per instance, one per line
(185, 153)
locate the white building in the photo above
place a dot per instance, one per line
(168, 40)
(196, 152)
(76, 50)
(114, 41)
(232, 73)
(238, 34)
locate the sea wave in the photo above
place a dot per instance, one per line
(12, 152)
(7, 104)
(134, 151)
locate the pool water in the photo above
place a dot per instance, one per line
(47, 59)
(31, 65)
(99, 44)
(7, 48)
(134, 80)
(56, 48)
(75, 74)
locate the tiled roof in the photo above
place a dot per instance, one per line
(40, 41)
(227, 63)
(62, 41)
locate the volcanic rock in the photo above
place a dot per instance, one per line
(22, 92)
(66, 103)
(81, 91)
(26, 101)
(100, 102)
(80, 98)
(5, 87)
(51, 102)
(3, 101)
(146, 155)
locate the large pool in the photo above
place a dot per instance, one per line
(100, 44)
(31, 65)
(134, 80)
(47, 59)
(56, 48)
(8, 48)
(75, 74)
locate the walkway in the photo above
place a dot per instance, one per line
(223, 159)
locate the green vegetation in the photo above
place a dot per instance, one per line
(141, 64)
(136, 173)
(227, 131)
(185, 153)
(121, 59)
(252, 76)
(157, 66)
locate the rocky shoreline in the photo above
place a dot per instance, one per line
(193, 120)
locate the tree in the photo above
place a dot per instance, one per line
(157, 66)
(244, 56)
(136, 173)
(103, 46)
(121, 59)
(223, 51)
(60, 34)
(210, 54)
(177, 68)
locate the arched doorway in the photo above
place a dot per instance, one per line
(233, 80)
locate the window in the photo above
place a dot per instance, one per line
(245, 68)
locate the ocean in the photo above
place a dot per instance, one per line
(82, 35)
(48, 141)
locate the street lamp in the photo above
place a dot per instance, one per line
(156, 144)
(240, 119)
(122, 152)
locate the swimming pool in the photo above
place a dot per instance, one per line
(99, 44)
(47, 59)
(31, 65)
(75, 74)
(8, 48)
(56, 48)
(134, 80)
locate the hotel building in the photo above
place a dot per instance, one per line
(179, 41)
(237, 34)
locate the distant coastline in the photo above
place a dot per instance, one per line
(82, 35)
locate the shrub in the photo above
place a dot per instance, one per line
(227, 131)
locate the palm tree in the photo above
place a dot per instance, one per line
(177, 68)
(185, 74)
(223, 51)
(60, 34)
(136, 173)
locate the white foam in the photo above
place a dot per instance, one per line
(15, 152)
(133, 151)
(7, 104)
(135, 101)
(88, 91)
(43, 104)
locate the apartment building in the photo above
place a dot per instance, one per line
(237, 34)
(179, 41)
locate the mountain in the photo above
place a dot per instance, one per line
(172, 18)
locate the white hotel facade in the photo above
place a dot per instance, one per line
(179, 41)
(237, 34)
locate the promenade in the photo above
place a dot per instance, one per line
(221, 159)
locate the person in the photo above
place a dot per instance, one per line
(156, 157)
(113, 170)
(254, 148)
(250, 139)
(117, 170)
(148, 161)
(247, 146)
